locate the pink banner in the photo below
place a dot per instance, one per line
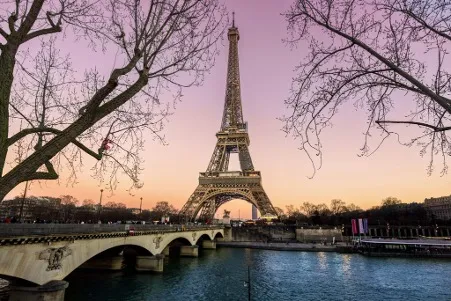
(354, 226)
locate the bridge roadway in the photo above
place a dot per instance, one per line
(44, 254)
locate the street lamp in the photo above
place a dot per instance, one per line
(100, 204)
(140, 205)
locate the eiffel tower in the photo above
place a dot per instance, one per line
(218, 185)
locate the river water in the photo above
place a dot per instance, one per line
(275, 275)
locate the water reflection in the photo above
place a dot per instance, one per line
(346, 264)
(322, 260)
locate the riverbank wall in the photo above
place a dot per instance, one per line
(305, 247)
(284, 234)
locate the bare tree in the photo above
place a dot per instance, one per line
(337, 206)
(280, 213)
(374, 53)
(352, 207)
(164, 209)
(322, 210)
(68, 207)
(309, 208)
(160, 46)
(390, 201)
(88, 203)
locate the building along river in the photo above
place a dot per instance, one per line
(275, 275)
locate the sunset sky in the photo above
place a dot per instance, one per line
(267, 68)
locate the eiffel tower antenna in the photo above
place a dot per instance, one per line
(218, 185)
(233, 112)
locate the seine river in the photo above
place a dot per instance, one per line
(275, 275)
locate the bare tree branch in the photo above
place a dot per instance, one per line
(363, 51)
(155, 42)
(26, 132)
(434, 128)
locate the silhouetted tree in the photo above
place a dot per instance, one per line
(337, 206)
(280, 213)
(88, 202)
(162, 209)
(145, 215)
(156, 45)
(68, 207)
(294, 215)
(372, 53)
(113, 212)
(352, 208)
(308, 208)
(390, 201)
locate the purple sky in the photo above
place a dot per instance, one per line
(171, 172)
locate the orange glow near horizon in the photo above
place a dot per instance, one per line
(170, 173)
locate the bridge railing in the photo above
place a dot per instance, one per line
(7, 230)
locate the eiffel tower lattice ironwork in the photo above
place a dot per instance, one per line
(218, 185)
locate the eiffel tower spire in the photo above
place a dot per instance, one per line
(233, 113)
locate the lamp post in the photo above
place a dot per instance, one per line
(23, 202)
(100, 204)
(140, 205)
(248, 283)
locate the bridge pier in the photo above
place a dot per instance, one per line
(113, 263)
(189, 251)
(228, 236)
(209, 244)
(52, 291)
(150, 263)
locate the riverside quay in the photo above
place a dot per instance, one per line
(405, 248)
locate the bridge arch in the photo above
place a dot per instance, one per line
(121, 249)
(178, 241)
(218, 235)
(203, 237)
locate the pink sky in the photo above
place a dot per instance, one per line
(171, 172)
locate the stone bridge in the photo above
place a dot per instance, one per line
(44, 259)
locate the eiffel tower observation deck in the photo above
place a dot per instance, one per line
(218, 185)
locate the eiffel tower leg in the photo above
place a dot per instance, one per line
(225, 161)
(208, 210)
(263, 203)
(191, 208)
(218, 158)
(245, 158)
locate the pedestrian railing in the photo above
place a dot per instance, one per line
(7, 230)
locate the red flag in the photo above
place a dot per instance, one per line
(354, 226)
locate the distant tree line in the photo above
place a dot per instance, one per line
(392, 211)
(68, 209)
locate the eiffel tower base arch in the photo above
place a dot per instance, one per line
(209, 196)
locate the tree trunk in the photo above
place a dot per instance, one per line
(7, 62)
